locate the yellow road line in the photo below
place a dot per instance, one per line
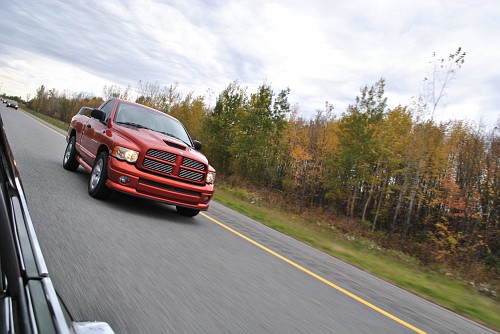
(353, 296)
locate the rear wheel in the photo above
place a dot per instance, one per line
(187, 211)
(98, 177)
(69, 160)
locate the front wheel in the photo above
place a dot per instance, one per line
(69, 160)
(187, 211)
(98, 177)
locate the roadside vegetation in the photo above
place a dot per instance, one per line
(390, 190)
(438, 283)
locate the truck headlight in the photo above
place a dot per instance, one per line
(210, 177)
(126, 154)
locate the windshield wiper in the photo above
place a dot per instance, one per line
(173, 136)
(136, 125)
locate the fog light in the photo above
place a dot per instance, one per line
(124, 179)
(206, 199)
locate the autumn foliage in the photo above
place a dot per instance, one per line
(395, 172)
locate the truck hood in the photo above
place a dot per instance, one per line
(150, 139)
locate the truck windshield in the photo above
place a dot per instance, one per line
(138, 117)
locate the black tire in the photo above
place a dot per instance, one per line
(98, 177)
(69, 159)
(187, 211)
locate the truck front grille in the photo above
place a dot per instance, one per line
(193, 164)
(162, 155)
(167, 163)
(158, 166)
(189, 174)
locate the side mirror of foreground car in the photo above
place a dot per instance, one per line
(28, 300)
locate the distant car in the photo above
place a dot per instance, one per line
(12, 104)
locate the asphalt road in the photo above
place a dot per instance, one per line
(143, 268)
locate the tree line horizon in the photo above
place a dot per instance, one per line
(432, 189)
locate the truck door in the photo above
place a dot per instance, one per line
(83, 118)
(93, 134)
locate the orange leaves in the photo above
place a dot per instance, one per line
(454, 203)
(300, 154)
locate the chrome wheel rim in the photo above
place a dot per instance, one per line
(69, 148)
(96, 174)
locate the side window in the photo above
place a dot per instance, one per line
(85, 111)
(108, 108)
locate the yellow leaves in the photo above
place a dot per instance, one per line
(444, 241)
(300, 154)
(452, 241)
(448, 245)
(311, 143)
(190, 111)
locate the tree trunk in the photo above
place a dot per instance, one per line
(370, 193)
(413, 194)
(379, 202)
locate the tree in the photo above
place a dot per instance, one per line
(443, 72)
(222, 124)
(116, 92)
(257, 152)
(39, 100)
(351, 173)
(160, 98)
(310, 144)
(394, 136)
(191, 112)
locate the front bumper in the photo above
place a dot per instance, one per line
(155, 187)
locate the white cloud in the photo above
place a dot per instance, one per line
(323, 50)
(26, 72)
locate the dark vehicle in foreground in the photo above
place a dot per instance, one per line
(142, 152)
(28, 300)
(11, 103)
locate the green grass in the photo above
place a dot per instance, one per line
(391, 266)
(55, 122)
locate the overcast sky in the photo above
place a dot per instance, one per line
(323, 50)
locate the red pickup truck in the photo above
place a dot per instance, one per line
(140, 151)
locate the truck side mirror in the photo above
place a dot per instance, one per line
(197, 145)
(98, 114)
